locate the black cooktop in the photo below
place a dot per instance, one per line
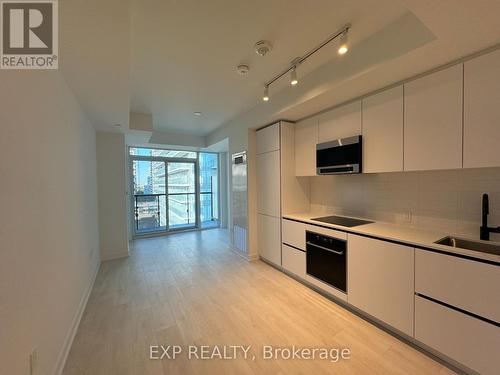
(341, 220)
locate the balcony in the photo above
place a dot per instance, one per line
(152, 214)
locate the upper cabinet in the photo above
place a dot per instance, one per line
(268, 139)
(341, 122)
(433, 121)
(306, 138)
(482, 111)
(383, 131)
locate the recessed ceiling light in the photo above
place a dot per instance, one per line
(197, 113)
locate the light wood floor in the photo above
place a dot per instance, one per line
(190, 289)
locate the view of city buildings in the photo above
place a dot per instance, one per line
(165, 194)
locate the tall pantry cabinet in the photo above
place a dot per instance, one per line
(279, 191)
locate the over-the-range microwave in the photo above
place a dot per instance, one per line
(340, 156)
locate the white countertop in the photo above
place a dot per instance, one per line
(399, 233)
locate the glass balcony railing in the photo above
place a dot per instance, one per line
(152, 215)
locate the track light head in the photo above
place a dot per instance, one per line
(343, 44)
(265, 97)
(293, 77)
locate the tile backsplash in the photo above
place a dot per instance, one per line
(447, 201)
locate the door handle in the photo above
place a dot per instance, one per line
(325, 248)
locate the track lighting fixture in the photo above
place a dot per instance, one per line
(343, 44)
(265, 97)
(293, 77)
(342, 49)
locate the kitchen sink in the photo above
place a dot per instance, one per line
(469, 245)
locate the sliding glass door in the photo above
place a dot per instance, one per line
(149, 203)
(182, 205)
(174, 190)
(209, 189)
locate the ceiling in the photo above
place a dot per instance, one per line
(171, 58)
(185, 53)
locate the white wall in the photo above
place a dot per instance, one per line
(49, 250)
(112, 183)
(447, 201)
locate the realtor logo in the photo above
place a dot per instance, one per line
(29, 37)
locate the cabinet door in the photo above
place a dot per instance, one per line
(306, 138)
(469, 341)
(341, 122)
(482, 111)
(294, 233)
(433, 121)
(269, 241)
(380, 280)
(268, 139)
(469, 285)
(294, 260)
(383, 131)
(268, 184)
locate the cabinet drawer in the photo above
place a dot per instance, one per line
(465, 339)
(294, 234)
(469, 285)
(294, 260)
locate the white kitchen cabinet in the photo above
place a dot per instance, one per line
(482, 111)
(381, 280)
(469, 341)
(294, 261)
(268, 184)
(268, 139)
(269, 238)
(433, 121)
(341, 122)
(306, 138)
(294, 233)
(383, 131)
(469, 285)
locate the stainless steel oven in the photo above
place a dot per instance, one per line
(326, 259)
(340, 156)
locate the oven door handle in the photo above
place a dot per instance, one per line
(325, 248)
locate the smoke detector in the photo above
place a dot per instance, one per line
(262, 47)
(243, 69)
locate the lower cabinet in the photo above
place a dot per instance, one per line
(463, 283)
(470, 341)
(294, 233)
(269, 238)
(381, 280)
(294, 260)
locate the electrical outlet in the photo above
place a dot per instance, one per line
(33, 361)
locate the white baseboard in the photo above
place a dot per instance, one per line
(249, 257)
(113, 256)
(63, 355)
